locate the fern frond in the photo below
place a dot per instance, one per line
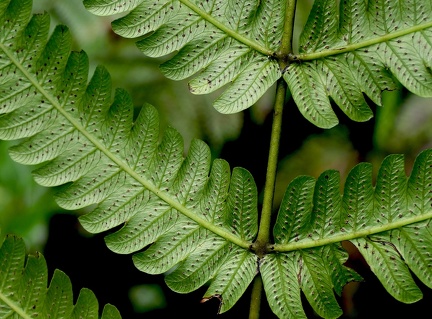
(226, 41)
(92, 149)
(390, 224)
(189, 215)
(347, 49)
(24, 292)
(357, 50)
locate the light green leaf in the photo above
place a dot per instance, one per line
(316, 283)
(346, 50)
(188, 215)
(282, 284)
(238, 270)
(104, 8)
(228, 42)
(110, 312)
(356, 50)
(96, 153)
(315, 271)
(389, 223)
(390, 269)
(414, 245)
(24, 292)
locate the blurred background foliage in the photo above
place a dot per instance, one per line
(403, 125)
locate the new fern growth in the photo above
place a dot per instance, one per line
(198, 218)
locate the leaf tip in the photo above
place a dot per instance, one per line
(218, 296)
(205, 299)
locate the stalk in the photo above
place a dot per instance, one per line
(262, 243)
(263, 239)
(255, 305)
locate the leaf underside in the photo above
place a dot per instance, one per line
(379, 58)
(196, 218)
(24, 292)
(389, 223)
(219, 56)
(90, 147)
(236, 43)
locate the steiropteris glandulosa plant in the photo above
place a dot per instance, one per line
(197, 215)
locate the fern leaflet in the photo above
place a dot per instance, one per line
(390, 224)
(356, 52)
(200, 219)
(230, 41)
(347, 49)
(92, 147)
(24, 292)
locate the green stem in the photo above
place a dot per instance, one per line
(350, 235)
(256, 298)
(286, 43)
(363, 44)
(261, 244)
(263, 238)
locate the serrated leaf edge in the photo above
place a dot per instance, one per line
(145, 182)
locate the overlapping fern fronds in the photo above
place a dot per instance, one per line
(97, 154)
(24, 292)
(347, 49)
(194, 214)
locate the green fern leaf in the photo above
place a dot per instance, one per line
(193, 217)
(346, 50)
(92, 149)
(228, 41)
(357, 51)
(390, 224)
(24, 292)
